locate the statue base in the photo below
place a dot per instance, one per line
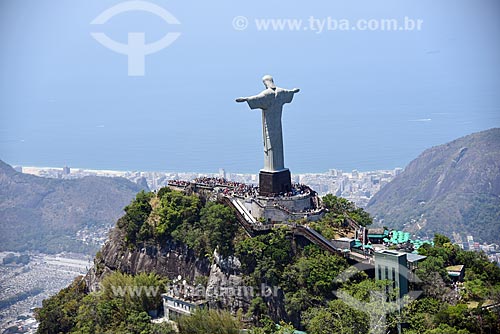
(274, 183)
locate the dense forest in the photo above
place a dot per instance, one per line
(308, 278)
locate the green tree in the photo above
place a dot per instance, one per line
(336, 317)
(120, 307)
(215, 228)
(378, 299)
(58, 313)
(420, 313)
(454, 315)
(337, 204)
(268, 326)
(220, 221)
(176, 209)
(341, 207)
(265, 256)
(316, 273)
(310, 280)
(249, 251)
(446, 329)
(163, 328)
(440, 240)
(258, 308)
(204, 321)
(475, 289)
(136, 214)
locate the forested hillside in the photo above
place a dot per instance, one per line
(449, 188)
(41, 214)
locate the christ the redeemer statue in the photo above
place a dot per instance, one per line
(274, 178)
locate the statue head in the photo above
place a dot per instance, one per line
(268, 81)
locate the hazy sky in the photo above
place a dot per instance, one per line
(368, 99)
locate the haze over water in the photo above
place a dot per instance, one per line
(368, 100)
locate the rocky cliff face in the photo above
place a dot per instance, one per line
(225, 287)
(224, 279)
(170, 260)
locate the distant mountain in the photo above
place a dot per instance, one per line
(449, 188)
(45, 214)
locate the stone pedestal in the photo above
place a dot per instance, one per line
(272, 183)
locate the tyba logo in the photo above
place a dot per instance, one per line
(136, 48)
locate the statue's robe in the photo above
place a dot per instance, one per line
(271, 102)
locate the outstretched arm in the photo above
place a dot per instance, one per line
(259, 101)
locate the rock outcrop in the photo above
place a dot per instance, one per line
(225, 287)
(170, 260)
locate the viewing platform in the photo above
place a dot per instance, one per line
(300, 203)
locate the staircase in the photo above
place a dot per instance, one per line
(242, 215)
(316, 238)
(251, 225)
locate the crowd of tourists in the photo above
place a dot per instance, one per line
(228, 187)
(178, 183)
(215, 182)
(239, 189)
(297, 189)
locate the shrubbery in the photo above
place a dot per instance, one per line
(173, 215)
(121, 306)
